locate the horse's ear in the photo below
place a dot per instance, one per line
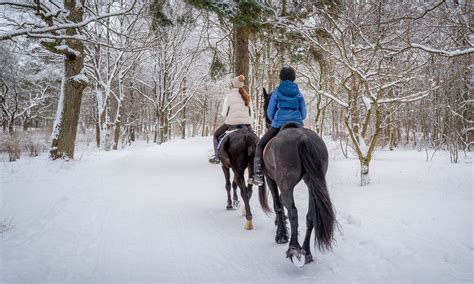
(265, 94)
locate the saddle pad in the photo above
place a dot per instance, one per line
(224, 137)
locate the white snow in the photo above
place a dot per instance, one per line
(334, 98)
(453, 53)
(367, 102)
(81, 78)
(154, 213)
(362, 146)
(66, 48)
(60, 109)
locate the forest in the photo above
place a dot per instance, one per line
(375, 74)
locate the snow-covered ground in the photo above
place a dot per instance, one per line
(157, 213)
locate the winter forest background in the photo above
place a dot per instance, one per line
(107, 74)
(375, 74)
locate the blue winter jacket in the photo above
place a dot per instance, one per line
(286, 104)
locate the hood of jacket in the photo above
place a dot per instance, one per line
(288, 88)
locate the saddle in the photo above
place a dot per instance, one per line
(285, 126)
(291, 125)
(223, 138)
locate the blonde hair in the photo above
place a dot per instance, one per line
(243, 93)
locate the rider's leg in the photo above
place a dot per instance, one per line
(258, 176)
(219, 131)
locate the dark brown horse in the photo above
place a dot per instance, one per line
(297, 154)
(237, 153)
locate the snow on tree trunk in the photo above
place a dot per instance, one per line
(117, 132)
(364, 172)
(118, 119)
(69, 106)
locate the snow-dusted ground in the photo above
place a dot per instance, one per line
(157, 213)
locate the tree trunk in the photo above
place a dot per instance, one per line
(132, 133)
(69, 106)
(157, 125)
(10, 125)
(26, 125)
(97, 133)
(162, 126)
(204, 117)
(118, 124)
(183, 124)
(242, 35)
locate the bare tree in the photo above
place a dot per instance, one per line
(57, 25)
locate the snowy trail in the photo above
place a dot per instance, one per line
(157, 212)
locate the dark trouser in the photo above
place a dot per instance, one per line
(272, 132)
(219, 131)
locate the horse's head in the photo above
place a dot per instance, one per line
(266, 100)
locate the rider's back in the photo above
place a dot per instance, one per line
(235, 110)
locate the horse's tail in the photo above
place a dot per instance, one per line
(252, 141)
(320, 206)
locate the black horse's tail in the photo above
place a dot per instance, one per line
(320, 206)
(252, 141)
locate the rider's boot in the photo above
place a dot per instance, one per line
(214, 159)
(258, 175)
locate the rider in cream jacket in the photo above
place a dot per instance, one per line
(234, 109)
(237, 110)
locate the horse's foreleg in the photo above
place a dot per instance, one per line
(281, 236)
(227, 186)
(246, 197)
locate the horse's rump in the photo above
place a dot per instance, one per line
(235, 143)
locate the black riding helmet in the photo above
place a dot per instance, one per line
(287, 73)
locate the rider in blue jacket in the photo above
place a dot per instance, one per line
(286, 105)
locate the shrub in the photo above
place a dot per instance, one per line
(12, 145)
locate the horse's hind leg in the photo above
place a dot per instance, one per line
(236, 202)
(309, 229)
(281, 236)
(239, 177)
(250, 175)
(294, 250)
(227, 186)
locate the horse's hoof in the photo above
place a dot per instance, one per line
(248, 225)
(281, 239)
(229, 207)
(236, 204)
(297, 256)
(308, 258)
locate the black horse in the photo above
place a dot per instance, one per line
(298, 153)
(237, 153)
